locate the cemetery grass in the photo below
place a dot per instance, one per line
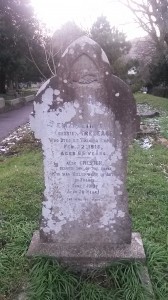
(21, 187)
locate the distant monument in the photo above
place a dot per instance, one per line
(85, 118)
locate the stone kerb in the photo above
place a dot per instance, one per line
(20, 100)
(85, 118)
(2, 103)
(29, 98)
(6, 105)
(15, 101)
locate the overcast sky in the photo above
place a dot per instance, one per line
(84, 12)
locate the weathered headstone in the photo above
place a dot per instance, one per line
(85, 118)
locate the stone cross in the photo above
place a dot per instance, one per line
(85, 118)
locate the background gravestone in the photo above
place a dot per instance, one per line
(85, 118)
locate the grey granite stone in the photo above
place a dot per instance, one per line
(85, 118)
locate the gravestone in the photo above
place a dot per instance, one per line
(85, 118)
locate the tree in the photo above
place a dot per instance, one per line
(64, 36)
(152, 16)
(112, 41)
(158, 70)
(18, 30)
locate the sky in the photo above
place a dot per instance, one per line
(54, 13)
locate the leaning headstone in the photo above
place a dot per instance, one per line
(85, 118)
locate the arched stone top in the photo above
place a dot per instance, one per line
(84, 42)
(82, 49)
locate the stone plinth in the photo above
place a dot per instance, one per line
(88, 255)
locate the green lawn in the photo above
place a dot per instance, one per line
(21, 187)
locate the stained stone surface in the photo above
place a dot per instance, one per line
(85, 118)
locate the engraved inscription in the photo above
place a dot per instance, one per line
(81, 155)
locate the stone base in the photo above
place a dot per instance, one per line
(86, 255)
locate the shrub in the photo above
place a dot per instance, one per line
(160, 92)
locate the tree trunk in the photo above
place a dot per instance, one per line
(2, 82)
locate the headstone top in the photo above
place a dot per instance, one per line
(85, 64)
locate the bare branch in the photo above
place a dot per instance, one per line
(52, 57)
(151, 15)
(47, 61)
(33, 60)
